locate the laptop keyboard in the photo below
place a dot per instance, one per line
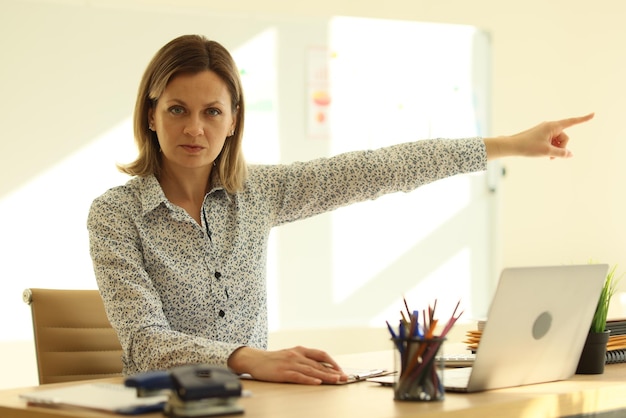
(458, 360)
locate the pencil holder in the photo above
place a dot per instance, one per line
(420, 369)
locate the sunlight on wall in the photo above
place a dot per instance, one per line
(407, 91)
(386, 91)
(370, 237)
(44, 224)
(445, 286)
(256, 60)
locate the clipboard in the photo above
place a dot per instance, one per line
(354, 375)
(360, 375)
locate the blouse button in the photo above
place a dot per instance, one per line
(222, 313)
(217, 274)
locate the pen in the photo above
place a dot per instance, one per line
(395, 338)
(406, 305)
(391, 331)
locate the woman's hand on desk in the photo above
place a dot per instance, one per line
(294, 365)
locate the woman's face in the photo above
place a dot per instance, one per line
(192, 119)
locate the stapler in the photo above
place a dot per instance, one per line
(194, 391)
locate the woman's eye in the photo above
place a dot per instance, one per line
(177, 110)
(213, 112)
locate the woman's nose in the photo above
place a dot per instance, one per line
(194, 127)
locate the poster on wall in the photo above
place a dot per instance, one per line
(318, 97)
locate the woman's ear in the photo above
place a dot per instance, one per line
(234, 124)
(151, 119)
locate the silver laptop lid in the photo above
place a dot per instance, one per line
(537, 325)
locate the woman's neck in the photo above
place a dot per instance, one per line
(186, 188)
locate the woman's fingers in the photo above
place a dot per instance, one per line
(317, 364)
(566, 123)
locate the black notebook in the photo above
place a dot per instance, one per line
(616, 352)
(616, 356)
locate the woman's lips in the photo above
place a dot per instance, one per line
(192, 148)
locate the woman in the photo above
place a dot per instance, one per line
(179, 252)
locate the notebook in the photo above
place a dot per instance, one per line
(538, 322)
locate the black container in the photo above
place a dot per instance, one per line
(593, 357)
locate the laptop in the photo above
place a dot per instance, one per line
(537, 324)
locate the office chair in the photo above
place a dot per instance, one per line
(73, 337)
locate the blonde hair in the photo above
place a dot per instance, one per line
(188, 54)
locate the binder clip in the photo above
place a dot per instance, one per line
(194, 391)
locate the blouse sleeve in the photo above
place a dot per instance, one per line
(304, 189)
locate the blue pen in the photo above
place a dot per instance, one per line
(418, 331)
(401, 344)
(393, 334)
(395, 339)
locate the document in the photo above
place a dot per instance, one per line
(111, 397)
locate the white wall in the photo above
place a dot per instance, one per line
(550, 60)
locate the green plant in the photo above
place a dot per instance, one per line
(602, 309)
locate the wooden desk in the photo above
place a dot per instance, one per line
(578, 395)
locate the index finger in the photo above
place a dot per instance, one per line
(566, 123)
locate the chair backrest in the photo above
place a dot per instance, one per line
(73, 337)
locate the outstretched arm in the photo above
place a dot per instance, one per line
(548, 139)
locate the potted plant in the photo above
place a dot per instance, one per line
(598, 324)
(593, 357)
